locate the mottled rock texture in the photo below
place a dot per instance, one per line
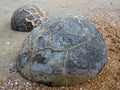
(62, 51)
(27, 17)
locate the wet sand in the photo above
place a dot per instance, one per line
(104, 14)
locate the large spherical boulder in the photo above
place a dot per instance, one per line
(62, 51)
(27, 17)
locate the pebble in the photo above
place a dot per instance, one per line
(7, 43)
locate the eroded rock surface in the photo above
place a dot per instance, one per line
(64, 50)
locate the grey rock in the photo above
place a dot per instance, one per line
(27, 17)
(62, 51)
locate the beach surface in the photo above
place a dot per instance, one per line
(104, 14)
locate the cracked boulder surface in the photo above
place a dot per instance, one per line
(27, 17)
(62, 51)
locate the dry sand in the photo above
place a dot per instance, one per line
(105, 14)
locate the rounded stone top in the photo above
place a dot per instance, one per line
(27, 17)
(62, 51)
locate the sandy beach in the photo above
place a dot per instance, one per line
(104, 14)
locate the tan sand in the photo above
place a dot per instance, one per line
(105, 14)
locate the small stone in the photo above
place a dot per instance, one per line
(81, 89)
(88, 80)
(16, 83)
(7, 43)
(111, 3)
